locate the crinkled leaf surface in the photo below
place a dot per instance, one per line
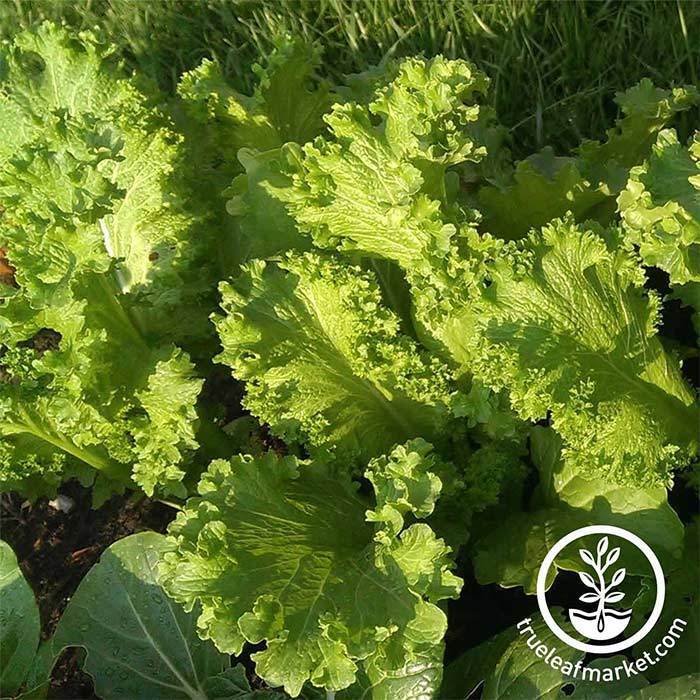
(97, 249)
(619, 401)
(288, 102)
(19, 623)
(264, 227)
(545, 187)
(661, 208)
(225, 130)
(52, 74)
(324, 362)
(375, 185)
(139, 643)
(280, 551)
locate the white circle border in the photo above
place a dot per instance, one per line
(601, 530)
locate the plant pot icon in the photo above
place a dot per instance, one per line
(600, 627)
(603, 623)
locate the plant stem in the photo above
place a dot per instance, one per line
(600, 613)
(176, 506)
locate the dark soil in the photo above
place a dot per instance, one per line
(55, 550)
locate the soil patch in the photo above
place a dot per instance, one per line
(55, 550)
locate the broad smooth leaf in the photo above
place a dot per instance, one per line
(594, 689)
(682, 602)
(232, 684)
(674, 689)
(140, 645)
(602, 546)
(519, 674)
(19, 623)
(468, 671)
(418, 679)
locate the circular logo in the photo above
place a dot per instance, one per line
(600, 581)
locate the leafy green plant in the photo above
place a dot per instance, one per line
(137, 642)
(402, 303)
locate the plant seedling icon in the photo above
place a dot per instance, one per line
(603, 623)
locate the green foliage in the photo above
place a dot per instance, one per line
(557, 64)
(617, 380)
(339, 592)
(400, 303)
(340, 374)
(19, 623)
(138, 644)
(545, 186)
(98, 247)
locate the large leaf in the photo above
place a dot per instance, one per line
(687, 686)
(139, 644)
(471, 669)
(520, 675)
(564, 325)
(19, 623)
(223, 127)
(324, 361)
(419, 678)
(101, 238)
(682, 602)
(281, 551)
(594, 689)
(287, 104)
(232, 684)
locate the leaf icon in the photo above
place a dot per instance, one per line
(602, 546)
(589, 597)
(587, 557)
(614, 597)
(587, 580)
(618, 578)
(612, 557)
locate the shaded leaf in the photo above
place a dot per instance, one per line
(140, 645)
(19, 623)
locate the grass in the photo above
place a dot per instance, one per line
(555, 65)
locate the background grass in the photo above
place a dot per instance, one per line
(555, 66)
